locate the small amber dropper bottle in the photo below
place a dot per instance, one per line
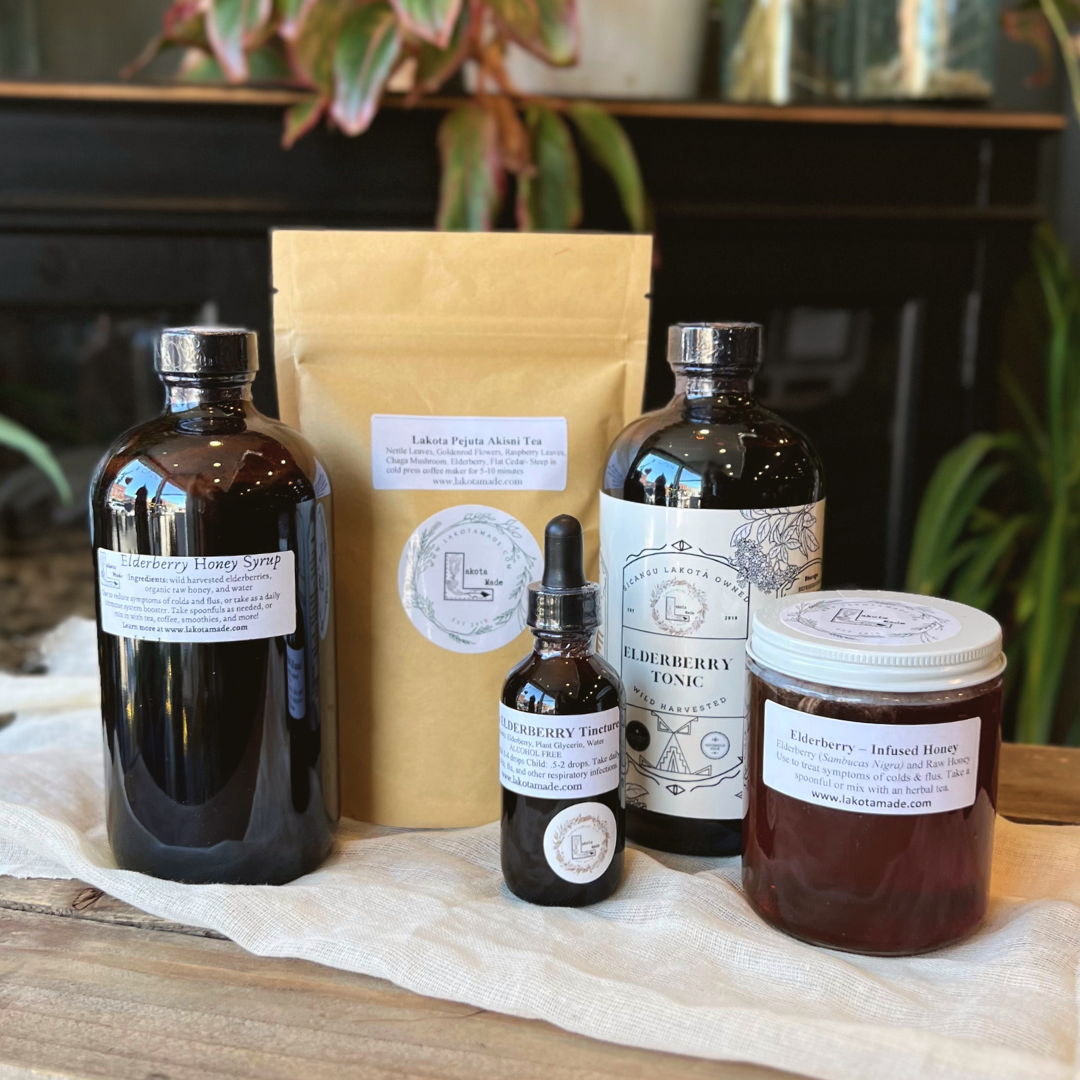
(562, 743)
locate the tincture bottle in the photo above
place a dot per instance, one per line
(561, 748)
(709, 507)
(211, 530)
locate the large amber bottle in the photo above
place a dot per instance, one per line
(211, 533)
(709, 506)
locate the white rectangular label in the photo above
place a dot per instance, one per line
(197, 598)
(559, 757)
(680, 587)
(468, 453)
(893, 769)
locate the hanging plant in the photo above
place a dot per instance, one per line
(344, 53)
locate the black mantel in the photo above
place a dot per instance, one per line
(134, 200)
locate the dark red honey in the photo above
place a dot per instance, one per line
(871, 883)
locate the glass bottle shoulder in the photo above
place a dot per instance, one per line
(718, 453)
(177, 456)
(562, 685)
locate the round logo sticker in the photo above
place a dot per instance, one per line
(678, 607)
(873, 622)
(579, 842)
(464, 578)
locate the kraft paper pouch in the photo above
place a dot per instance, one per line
(461, 390)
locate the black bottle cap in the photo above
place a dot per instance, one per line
(207, 350)
(727, 346)
(564, 602)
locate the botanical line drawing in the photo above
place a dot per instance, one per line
(768, 540)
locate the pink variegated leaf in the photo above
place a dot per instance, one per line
(473, 180)
(301, 118)
(547, 28)
(429, 20)
(232, 26)
(368, 46)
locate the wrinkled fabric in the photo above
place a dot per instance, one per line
(674, 961)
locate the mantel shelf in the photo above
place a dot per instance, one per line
(880, 115)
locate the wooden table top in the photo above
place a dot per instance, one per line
(90, 987)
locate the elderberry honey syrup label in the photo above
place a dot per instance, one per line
(579, 842)
(896, 769)
(559, 757)
(197, 598)
(438, 453)
(464, 578)
(680, 587)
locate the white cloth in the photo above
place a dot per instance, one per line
(675, 961)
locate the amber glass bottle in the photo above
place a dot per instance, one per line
(561, 749)
(709, 507)
(211, 534)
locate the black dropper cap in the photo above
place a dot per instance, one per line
(564, 602)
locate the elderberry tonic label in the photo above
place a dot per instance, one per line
(464, 578)
(197, 598)
(680, 587)
(559, 757)
(893, 769)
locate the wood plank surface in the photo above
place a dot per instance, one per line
(1039, 784)
(90, 987)
(893, 116)
(85, 999)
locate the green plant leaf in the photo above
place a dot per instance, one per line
(548, 28)
(979, 582)
(947, 507)
(549, 199)
(301, 118)
(434, 65)
(291, 16)
(1049, 621)
(429, 20)
(311, 53)
(18, 438)
(367, 49)
(610, 147)
(231, 27)
(473, 180)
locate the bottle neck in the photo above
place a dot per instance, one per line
(211, 395)
(703, 385)
(576, 644)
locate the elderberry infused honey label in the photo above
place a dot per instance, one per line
(897, 769)
(679, 590)
(197, 598)
(559, 756)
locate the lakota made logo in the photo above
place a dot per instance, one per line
(678, 607)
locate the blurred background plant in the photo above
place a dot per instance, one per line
(999, 525)
(1041, 23)
(346, 54)
(16, 437)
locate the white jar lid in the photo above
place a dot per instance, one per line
(860, 640)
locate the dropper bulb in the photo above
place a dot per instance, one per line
(564, 554)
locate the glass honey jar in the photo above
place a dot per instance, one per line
(874, 732)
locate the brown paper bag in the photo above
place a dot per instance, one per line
(461, 390)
